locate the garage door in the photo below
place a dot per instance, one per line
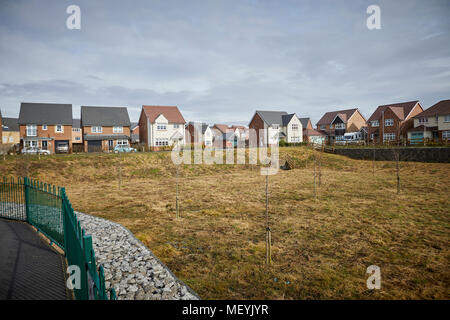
(94, 145)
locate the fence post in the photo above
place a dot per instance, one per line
(27, 204)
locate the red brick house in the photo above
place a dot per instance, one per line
(390, 122)
(47, 126)
(335, 124)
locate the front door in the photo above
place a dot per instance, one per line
(44, 145)
(110, 144)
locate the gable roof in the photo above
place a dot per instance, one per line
(10, 124)
(203, 125)
(171, 113)
(304, 122)
(272, 117)
(45, 113)
(222, 127)
(401, 110)
(328, 117)
(105, 116)
(134, 125)
(287, 118)
(441, 108)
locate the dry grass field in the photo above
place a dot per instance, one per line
(321, 248)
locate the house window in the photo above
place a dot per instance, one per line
(162, 142)
(31, 130)
(59, 128)
(11, 139)
(31, 143)
(117, 129)
(446, 134)
(96, 129)
(389, 122)
(122, 142)
(44, 127)
(5, 139)
(372, 136)
(423, 120)
(339, 126)
(77, 138)
(294, 127)
(447, 118)
(275, 126)
(389, 136)
(374, 123)
(295, 139)
(176, 126)
(322, 127)
(161, 126)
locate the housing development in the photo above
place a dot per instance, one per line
(50, 127)
(235, 159)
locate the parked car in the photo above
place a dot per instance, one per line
(35, 150)
(123, 148)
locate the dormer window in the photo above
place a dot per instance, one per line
(44, 127)
(117, 129)
(59, 128)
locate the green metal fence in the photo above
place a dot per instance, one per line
(48, 209)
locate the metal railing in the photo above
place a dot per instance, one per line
(48, 209)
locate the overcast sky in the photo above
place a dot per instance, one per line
(219, 61)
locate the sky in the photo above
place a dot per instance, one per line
(219, 61)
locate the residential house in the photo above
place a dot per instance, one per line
(199, 133)
(10, 131)
(433, 123)
(77, 135)
(306, 123)
(390, 122)
(309, 134)
(46, 125)
(223, 136)
(240, 134)
(104, 127)
(161, 126)
(277, 125)
(336, 123)
(134, 132)
(1, 126)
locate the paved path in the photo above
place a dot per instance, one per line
(29, 268)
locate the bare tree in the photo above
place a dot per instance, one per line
(177, 192)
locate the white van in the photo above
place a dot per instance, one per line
(353, 137)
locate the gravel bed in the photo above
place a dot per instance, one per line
(130, 267)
